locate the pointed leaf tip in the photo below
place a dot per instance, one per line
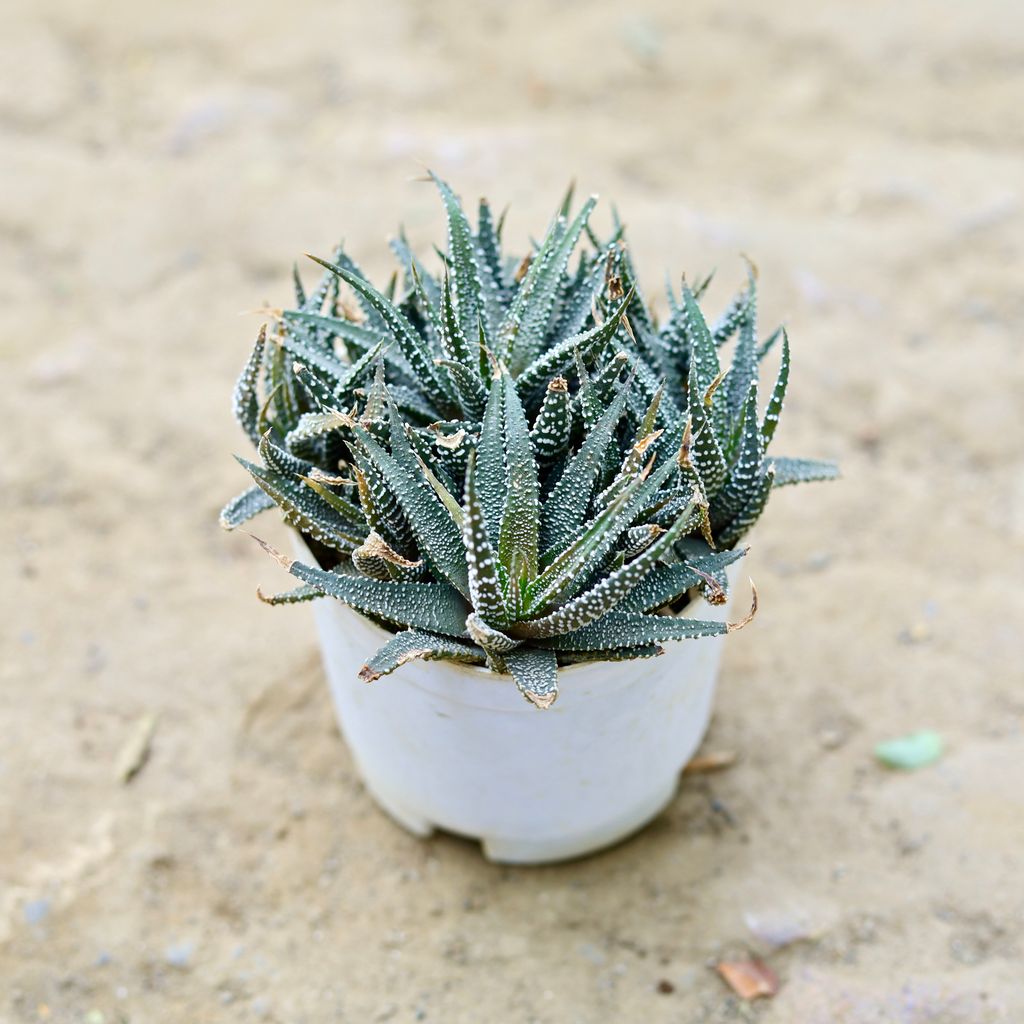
(285, 563)
(542, 700)
(734, 627)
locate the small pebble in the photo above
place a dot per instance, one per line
(179, 954)
(36, 911)
(831, 738)
(778, 928)
(916, 633)
(819, 560)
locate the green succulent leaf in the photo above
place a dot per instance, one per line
(769, 343)
(381, 509)
(552, 428)
(744, 363)
(315, 357)
(280, 460)
(610, 591)
(735, 314)
(778, 396)
(436, 532)
(746, 470)
(704, 366)
(667, 583)
(472, 395)
(517, 541)
(412, 345)
(298, 595)
(616, 654)
(750, 513)
(357, 338)
(417, 644)
(552, 362)
(312, 427)
(304, 509)
(524, 326)
(708, 458)
(485, 587)
(427, 289)
(496, 643)
(477, 298)
(246, 401)
(570, 569)
(281, 392)
(566, 506)
(435, 607)
(622, 629)
(375, 317)
(490, 463)
(536, 675)
(454, 339)
(488, 240)
(251, 502)
(798, 471)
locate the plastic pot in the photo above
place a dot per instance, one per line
(457, 747)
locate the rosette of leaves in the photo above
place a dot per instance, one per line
(511, 463)
(523, 570)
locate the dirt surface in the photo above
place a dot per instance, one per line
(163, 164)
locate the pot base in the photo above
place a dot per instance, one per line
(512, 850)
(546, 851)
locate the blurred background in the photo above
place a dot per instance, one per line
(163, 165)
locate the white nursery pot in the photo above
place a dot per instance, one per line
(457, 747)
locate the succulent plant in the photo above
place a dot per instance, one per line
(511, 463)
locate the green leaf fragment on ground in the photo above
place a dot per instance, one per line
(909, 752)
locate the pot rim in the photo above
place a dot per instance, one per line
(482, 672)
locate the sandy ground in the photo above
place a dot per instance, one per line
(162, 165)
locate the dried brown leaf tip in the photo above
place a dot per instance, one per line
(285, 563)
(644, 443)
(713, 387)
(713, 591)
(319, 476)
(749, 979)
(376, 547)
(686, 446)
(369, 674)
(450, 441)
(542, 700)
(734, 627)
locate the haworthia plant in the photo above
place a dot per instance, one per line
(510, 463)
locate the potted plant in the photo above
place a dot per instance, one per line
(514, 483)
